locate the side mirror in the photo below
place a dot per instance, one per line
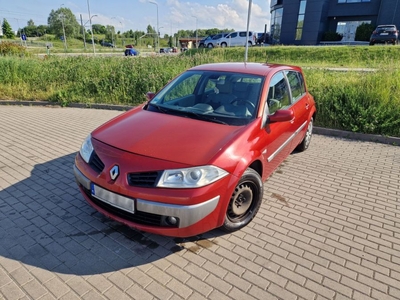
(282, 115)
(150, 95)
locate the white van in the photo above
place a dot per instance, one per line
(237, 38)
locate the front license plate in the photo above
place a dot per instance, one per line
(125, 203)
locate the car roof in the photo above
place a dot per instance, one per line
(261, 69)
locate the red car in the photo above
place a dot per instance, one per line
(194, 157)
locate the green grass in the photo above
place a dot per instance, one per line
(357, 101)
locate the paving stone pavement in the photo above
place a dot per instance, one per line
(328, 228)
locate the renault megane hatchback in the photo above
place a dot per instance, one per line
(194, 157)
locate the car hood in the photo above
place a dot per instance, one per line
(168, 137)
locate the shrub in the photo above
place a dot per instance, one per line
(363, 32)
(11, 49)
(332, 36)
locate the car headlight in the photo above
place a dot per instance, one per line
(87, 148)
(191, 177)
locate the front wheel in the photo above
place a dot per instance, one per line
(245, 201)
(210, 45)
(223, 45)
(307, 138)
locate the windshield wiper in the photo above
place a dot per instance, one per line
(162, 109)
(205, 117)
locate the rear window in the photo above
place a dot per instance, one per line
(386, 28)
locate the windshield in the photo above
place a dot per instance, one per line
(221, 97)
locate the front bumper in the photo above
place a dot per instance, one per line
(195, 210)
(187, 214)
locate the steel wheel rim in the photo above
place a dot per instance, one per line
(242, 202)
(309, 132)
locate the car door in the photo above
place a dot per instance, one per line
(276, 136)
(233, 39)
(300, 105)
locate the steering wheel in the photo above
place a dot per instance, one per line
(244, 101)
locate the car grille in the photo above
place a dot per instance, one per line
(143, 179)
(96, 163)
(138, 217)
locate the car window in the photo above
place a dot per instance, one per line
(182, 88)
(212, 82)
(278, 94)
(296, 84)
(232, 35)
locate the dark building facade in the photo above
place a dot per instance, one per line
(303, 22)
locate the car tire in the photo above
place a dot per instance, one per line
(223, 45)
(210, 45)
(245, 201)
(250, 44)
(307, 138)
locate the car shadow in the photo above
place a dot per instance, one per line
(46, 223)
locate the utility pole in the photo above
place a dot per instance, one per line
(91, 28)
(64, 38)
(84, 33)
(158, 38)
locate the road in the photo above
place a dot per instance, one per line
(328, 228)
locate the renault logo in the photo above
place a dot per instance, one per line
(114, 172)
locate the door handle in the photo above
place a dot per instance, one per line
(307, 105)
(292, 121)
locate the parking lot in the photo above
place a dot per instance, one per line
(328, 228)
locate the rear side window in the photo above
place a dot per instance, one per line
(278, 94)
(243, 33)
(296, 83)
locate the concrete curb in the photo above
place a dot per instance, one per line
(77, 105)
(395, 141)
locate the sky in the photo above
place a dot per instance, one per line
(173, 15)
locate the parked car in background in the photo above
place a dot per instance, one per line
(238, 38)
(213, 42)
(131, 52)
(385, 34)
(195, 156)
(165, 50)
(263, 38)
(107, 44)
(203, 42)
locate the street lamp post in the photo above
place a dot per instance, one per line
(112, 34)
(62, 23)
(247, 33)
(123, 43)
(196, 30)
(158, 38)
(91, 28)
(64, 38)
(20, 31)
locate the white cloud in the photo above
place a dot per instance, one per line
(231, 14)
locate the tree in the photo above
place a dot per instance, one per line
(110, 33)
(60, 17)
(99, 29)
(30, 30)
(7, 31)
(364, 31)
(42, 30)
(150, 29)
